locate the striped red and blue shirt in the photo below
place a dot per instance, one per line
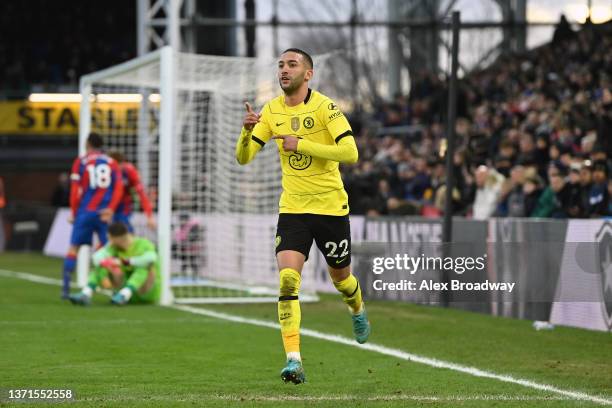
(131, 185)
(96, 183)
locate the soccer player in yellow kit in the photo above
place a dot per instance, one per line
(313, 137)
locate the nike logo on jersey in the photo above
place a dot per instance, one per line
(278, 124)
(340, 260)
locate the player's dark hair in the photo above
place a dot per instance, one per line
(117, 229)
(306, 56)
(117, 156)
(95, 140)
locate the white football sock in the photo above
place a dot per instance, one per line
(294, 355)
(87, 291)
(126, 292)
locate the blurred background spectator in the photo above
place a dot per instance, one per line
(78, 38)
(518, 118)
(534, 137)
(61, 194)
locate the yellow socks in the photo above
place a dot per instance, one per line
(289, 314)
(351, 293)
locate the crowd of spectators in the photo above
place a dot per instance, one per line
(534, 138)
(52, 43)
(534, 131)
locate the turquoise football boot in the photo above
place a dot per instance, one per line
(361, 326)
(294, 372)
(119, 299)
(80, 299)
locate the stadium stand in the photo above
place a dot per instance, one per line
(61, 41)
(534, 138)
(526, 117)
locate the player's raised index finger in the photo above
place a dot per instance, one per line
(248, 107)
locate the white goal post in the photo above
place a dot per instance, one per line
(177, 117)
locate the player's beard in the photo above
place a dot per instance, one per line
(293, 86)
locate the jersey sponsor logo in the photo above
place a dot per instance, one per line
(295, 123)
(340, 260)
(278, 124)
(308, 122)
(332, 106)
(299, 161)
(335, 115)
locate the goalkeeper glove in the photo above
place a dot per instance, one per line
(112, 264)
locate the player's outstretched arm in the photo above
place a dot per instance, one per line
(248, 145)
(344, 151)
(144, 260)
(344, 148)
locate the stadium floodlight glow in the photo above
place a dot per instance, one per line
(580, 12)
(54, 97)
(121, 98)
(600, 14)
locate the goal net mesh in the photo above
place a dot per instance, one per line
(223, 215)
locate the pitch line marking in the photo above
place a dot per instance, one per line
(432, 362)
(30, 277)
(400, 354)
(394, 397)
(322, 398)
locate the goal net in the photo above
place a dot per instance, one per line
(177, 117)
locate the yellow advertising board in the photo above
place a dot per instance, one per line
(62, 118)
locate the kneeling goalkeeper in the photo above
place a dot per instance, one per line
(312, 137)
(128, 265)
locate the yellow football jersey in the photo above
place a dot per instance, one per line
(311, 184)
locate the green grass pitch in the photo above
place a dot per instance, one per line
(143, 356)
